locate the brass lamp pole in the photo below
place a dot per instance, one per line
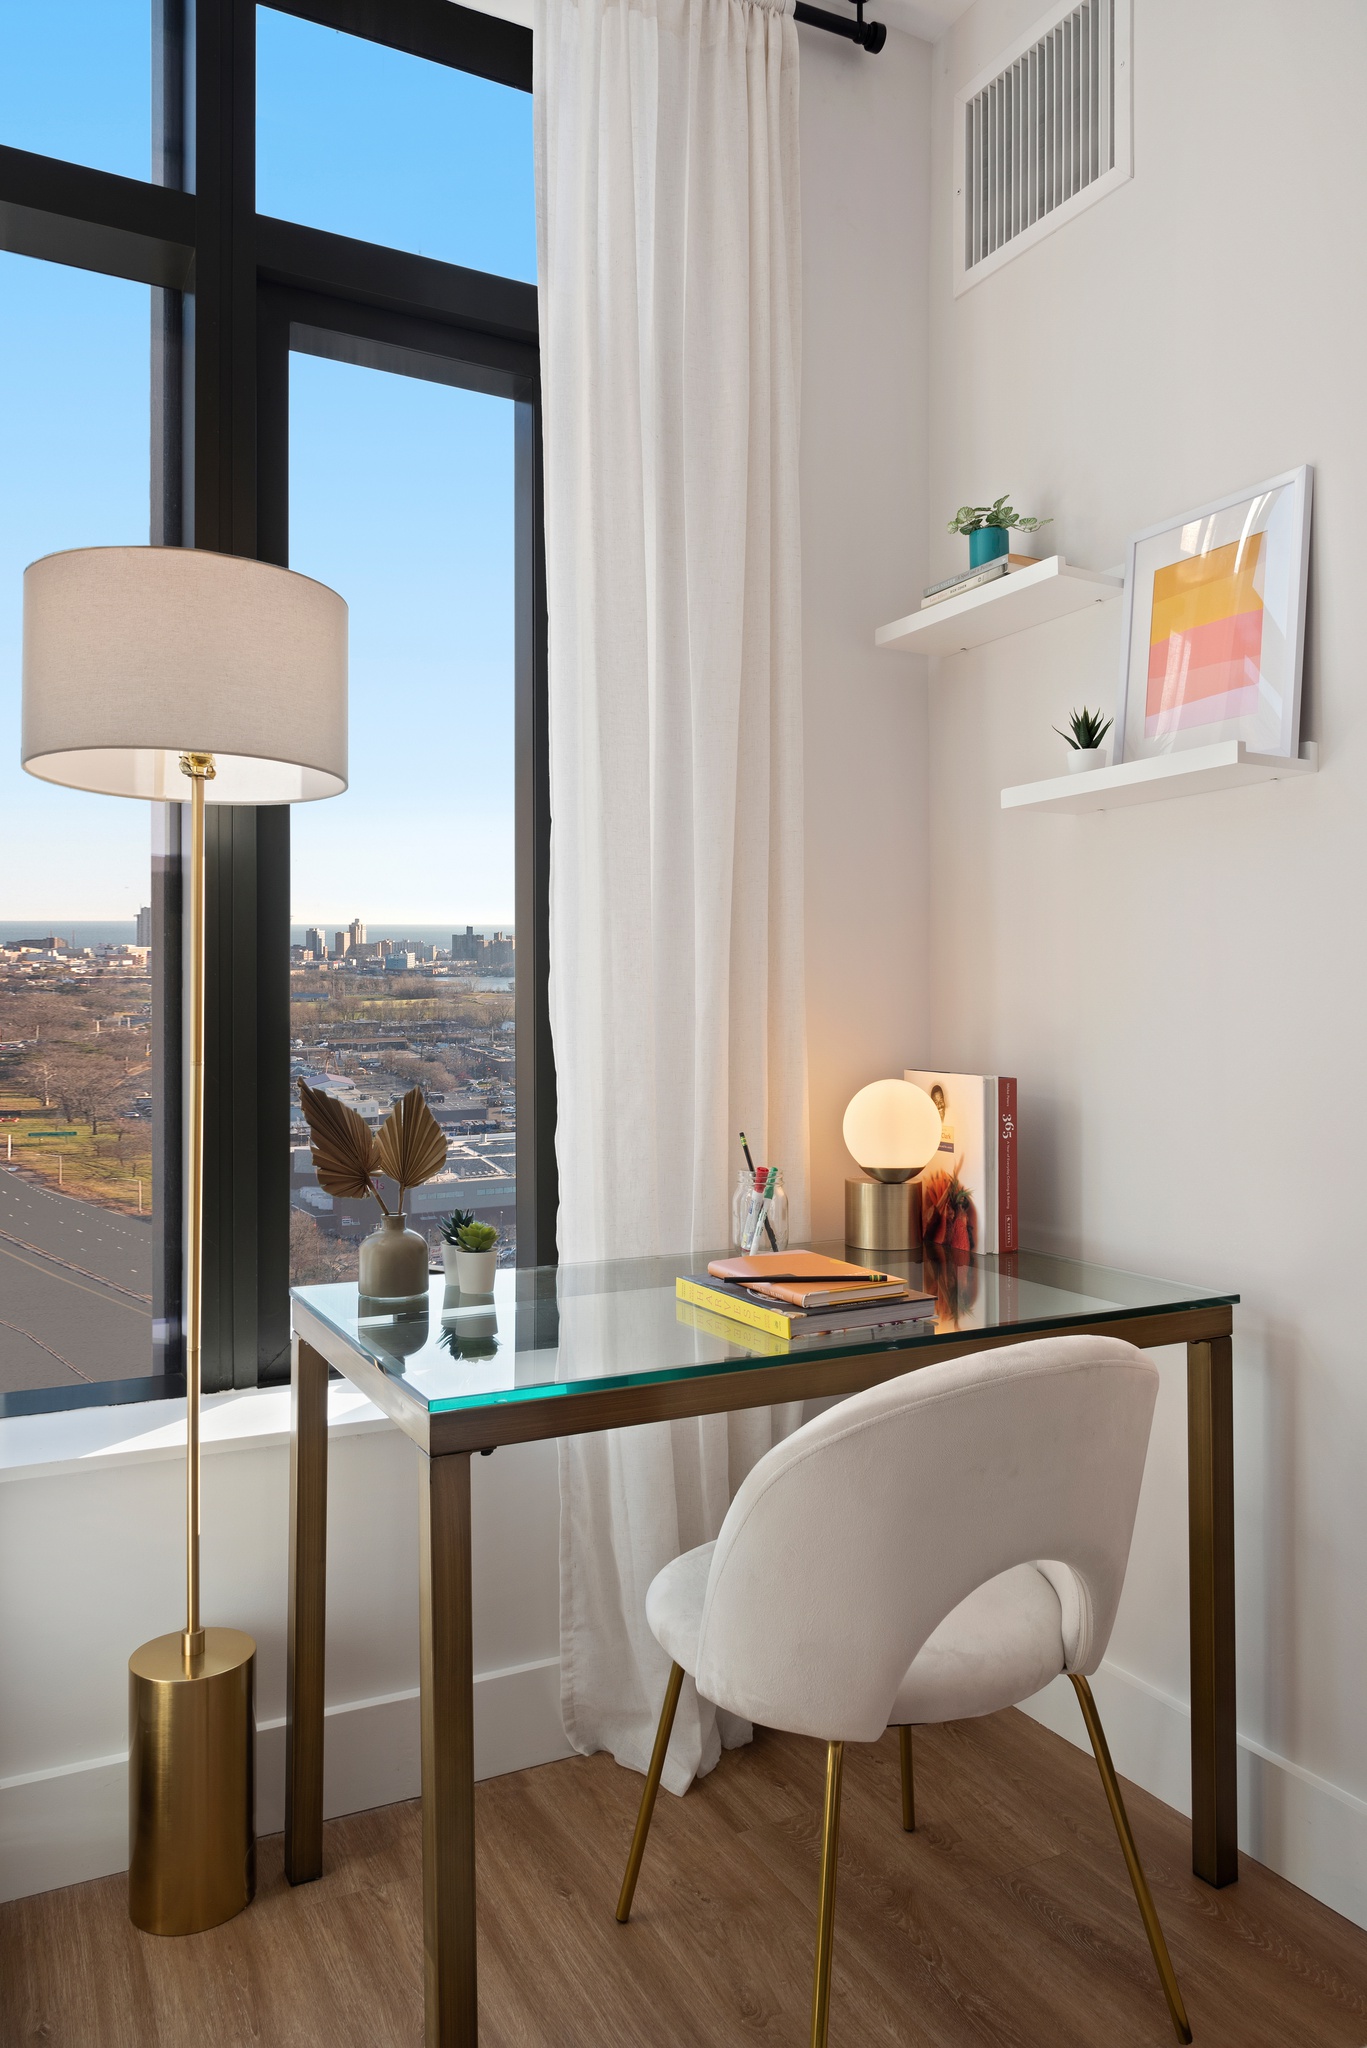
(200, 769)
(145, 669)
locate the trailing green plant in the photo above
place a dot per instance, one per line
(460, 1228)
(1087, 730)
(969, 518)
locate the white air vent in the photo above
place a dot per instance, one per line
(1041, 133)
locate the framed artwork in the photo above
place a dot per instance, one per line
(1214, 625)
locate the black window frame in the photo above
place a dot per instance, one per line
(233, 293)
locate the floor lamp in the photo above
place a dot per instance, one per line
(180, 676)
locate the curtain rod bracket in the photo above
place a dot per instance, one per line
(870, 35)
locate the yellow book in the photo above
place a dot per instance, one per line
(728, 1331)
(739, 1308)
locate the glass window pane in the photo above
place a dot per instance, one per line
(370, 142)
(401, 498)
(75, 81)
(75, 1080)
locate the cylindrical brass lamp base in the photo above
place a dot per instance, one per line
(191, 1782)
(882, 1216)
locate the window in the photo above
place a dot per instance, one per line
(75, 81)
(318, 365)
(386, 146)
(76, 1183)
(402, 495)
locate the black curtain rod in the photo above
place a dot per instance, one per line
(870, 35)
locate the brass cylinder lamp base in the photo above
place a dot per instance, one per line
(883, 1216)
(191, 1782)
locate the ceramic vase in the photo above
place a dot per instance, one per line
(392, 1265)
(1081, 759)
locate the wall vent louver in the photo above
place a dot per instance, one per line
(1041, 133)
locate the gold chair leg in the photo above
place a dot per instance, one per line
(825, 1922)
(652, 1786)
(1147, 1910)
(908, 1783)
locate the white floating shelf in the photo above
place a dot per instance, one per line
(1023, 598)
(1226, 765)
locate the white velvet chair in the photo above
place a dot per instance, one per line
(878, 1568)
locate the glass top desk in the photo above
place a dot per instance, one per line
(562, 1350)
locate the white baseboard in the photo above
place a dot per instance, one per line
(64, 1825)
(1310, 1832)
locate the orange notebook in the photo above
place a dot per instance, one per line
(809, 1280)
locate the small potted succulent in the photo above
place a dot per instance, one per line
(987, 527)
(469, 1252)
(1086, 730)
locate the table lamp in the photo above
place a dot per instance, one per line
(181, 676)
(893, 1130)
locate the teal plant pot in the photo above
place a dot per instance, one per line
(985, 543)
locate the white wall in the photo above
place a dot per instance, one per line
(865, 172)
(1175, 984)
(91, 1533)
(90, 1523)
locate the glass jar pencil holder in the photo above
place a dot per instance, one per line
(749, 1213)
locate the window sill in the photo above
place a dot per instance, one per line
(90, 1439)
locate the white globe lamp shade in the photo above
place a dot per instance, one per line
(135, 656)
(892, 1128)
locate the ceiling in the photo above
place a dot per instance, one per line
(926, 18)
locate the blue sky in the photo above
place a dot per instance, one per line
(401, 491)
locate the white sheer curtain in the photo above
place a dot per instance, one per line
(667, 194)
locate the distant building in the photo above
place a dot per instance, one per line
(496, 955)
(356, 931)
(396, 962)
(143, 936)
(341, 943)
(315, 943)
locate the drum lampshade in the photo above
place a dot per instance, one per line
(134, 656)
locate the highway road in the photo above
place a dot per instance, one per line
(75, 1290)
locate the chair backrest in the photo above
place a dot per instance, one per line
(850, 1542)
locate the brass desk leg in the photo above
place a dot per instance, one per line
(448, 1753)
(1210, 1511)
(307, 1605)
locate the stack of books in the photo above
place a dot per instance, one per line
(798, 1296)
(955, 586)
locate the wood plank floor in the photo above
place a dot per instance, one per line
(1006, 1921)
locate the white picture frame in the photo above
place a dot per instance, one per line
(1229, 581)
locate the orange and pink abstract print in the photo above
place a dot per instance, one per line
(1205, 639)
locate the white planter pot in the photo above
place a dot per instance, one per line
(473, 1272)
(1083, 758)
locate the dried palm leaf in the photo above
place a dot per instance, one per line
(412, 1148)
(345, 1151)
